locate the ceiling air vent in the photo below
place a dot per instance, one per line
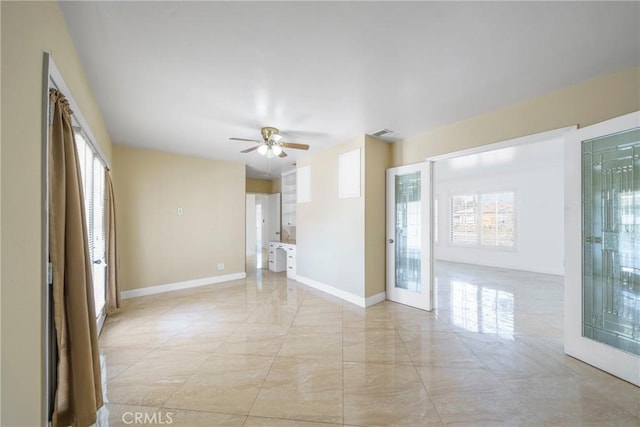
(386, 135)
(381, 132)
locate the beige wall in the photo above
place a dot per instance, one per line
(158, 246)
(29, 29)
(377, 158)
(276, 185)
(330, 231)
(259, 186)
(582, 104)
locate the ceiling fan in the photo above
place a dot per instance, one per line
(271, 144)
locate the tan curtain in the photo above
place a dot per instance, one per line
(79, 388)
(113, 284)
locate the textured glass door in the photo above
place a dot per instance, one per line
(602, 246)
(611, 240)
(408, 235)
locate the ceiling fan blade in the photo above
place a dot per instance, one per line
(245, 139)
(295, 145)
(248, 150)
(282, 154)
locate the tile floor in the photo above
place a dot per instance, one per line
(267, 351)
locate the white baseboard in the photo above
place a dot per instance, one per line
(375, 299)
(347, 296)
(181, 285)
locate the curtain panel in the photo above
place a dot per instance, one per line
(113, 284)
(79, 389)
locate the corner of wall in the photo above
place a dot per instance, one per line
(377, 159)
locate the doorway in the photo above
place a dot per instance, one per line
(262, 226)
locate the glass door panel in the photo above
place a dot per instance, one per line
(611, 240)
(408, 248)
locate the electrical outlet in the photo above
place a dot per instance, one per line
(180, 211)
(220, 266)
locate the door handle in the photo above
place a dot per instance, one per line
(390, 240)
(98, 261)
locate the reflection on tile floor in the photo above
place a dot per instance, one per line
(268, 351)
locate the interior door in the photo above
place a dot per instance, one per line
(409, 230)
(602, 249)
(274, 217)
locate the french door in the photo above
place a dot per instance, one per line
(409, 231)
(602, 249)
(93, 172)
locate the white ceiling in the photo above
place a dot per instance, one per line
(185, 76)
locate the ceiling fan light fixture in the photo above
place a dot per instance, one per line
(270, 154)
(275, 138)
(263, 150)
(276, 149)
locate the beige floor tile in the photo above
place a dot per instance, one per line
(492, 407)
(328, 319)
(439, 380)
(228, 313)
(273, 314)
(621, 393)
(183, 418)
(385, 395)
(279, 422)
(309, 342)
(140, 392)
(223, 383)
(265, 340)
(114, 415)
(442, 349)
(152, 380)
(117, 359)
(201, 336)
(375, 317)
(374, 345)
(165, 364)
(559, 400)
(297, 389)
(148, 340)
(418, 321)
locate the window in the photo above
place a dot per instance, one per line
(486, 219)
(498, 219)
(464, 219)
(92, 171)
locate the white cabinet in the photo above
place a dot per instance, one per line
(282, 257)
(289, 199)
(277, 257)
(291, 261)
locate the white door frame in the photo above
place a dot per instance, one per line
(617, 362)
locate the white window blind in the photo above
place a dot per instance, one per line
(93, 188)
(464, 219)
